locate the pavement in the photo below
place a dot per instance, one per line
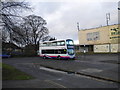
(98, 66)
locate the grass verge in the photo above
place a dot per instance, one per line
(11, 73)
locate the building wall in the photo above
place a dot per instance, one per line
(101, 48)
(114, 34)
(101, 35)
(115, 48)
(107, 48)
(89, 37)
(103, 39)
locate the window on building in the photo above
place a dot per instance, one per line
(93, 36)
(96, 36)
(89, 36)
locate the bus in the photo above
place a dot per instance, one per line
(60, 49)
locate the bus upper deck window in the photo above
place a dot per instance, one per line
(69, 42)
(44, 44)
(62, 43)
(49, 44)
(54, 43)
(58, 43)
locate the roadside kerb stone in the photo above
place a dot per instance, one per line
(92, 75)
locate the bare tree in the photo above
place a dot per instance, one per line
(46, 38)
(34, 29)
(9, 13)
(30, 32)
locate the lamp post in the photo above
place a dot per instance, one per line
(78, 25)
(107, 18)
(84, 51)
(78, 34)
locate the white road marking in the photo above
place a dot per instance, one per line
(54, 83)
(91, 70)
(51, 70)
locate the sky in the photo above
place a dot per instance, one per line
(62, 15)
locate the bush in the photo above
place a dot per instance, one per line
(30, 51)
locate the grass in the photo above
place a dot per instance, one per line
(11, 73)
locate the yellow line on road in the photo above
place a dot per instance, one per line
(54, 83)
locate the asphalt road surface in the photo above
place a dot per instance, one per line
(49, 78)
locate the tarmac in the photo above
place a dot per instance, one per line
(99, 68)
(99, 71)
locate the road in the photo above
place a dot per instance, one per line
(50, 78)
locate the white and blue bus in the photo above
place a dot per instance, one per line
(57, 49)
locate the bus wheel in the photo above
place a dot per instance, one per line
(58, 57)
(44, 57)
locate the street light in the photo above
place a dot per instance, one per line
(78, 25)
(107, 18)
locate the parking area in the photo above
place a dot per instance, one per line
(89, 69)
(99, 65)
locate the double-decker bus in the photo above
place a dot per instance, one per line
(57, 49)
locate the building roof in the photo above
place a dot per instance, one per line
(97, 27)
(9, 45)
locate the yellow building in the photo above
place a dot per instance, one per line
(101, 39)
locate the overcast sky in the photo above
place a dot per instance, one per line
(62, 15)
